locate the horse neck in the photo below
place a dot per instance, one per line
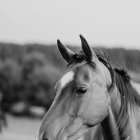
(125, 125)
(111, 130)
(109, 127)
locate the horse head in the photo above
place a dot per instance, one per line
(82, 96)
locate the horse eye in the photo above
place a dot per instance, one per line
(81, 90)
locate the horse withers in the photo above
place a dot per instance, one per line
(93, 101)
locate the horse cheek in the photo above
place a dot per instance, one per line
(95, 107)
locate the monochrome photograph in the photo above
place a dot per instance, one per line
(69, 70)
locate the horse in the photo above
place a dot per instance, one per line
(93, 100)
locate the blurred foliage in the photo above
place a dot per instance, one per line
(29, 72)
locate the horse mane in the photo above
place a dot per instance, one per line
(121, 78)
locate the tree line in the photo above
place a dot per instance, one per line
(29, 72)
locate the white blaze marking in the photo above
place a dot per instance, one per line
(66, 78)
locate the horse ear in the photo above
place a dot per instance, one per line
(65, 52)
(87, 49)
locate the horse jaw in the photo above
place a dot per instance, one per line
(74, 131)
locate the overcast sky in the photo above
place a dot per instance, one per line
(103, 22)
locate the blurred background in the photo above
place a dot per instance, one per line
(30, 63)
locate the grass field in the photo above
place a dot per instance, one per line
(21, 129)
